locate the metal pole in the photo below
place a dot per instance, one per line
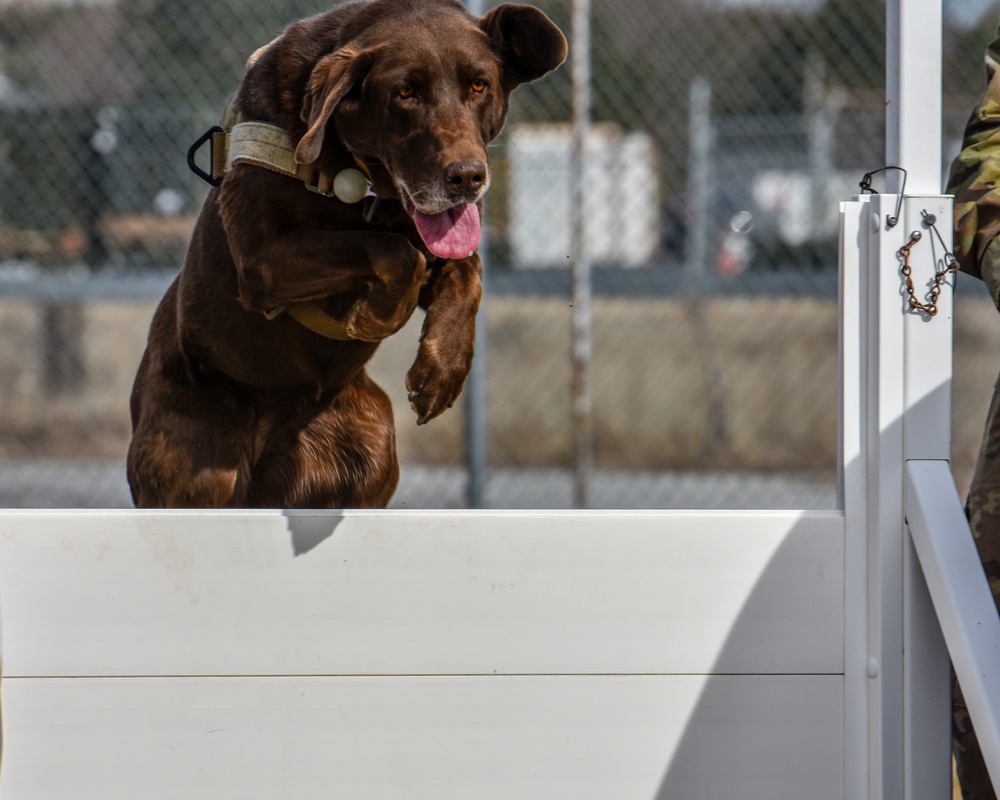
(699, 181)
(912, 698)
(913, 83)
(583, 437)
(477, 408)
(476, 401)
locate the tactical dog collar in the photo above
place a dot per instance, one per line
(238, 141)
(269, 146)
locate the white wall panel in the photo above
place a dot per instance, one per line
(389, 593)
(502, 738)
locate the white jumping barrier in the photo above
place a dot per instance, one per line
(645, 655)
(391, 655)
(631, 655)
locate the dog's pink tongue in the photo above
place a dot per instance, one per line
(454, 233)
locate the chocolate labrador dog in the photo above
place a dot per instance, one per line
(349, 176)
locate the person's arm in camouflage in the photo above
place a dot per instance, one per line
(975, 182)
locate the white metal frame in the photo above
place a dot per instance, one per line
(897, 373)
(644, 655)
(961, 594)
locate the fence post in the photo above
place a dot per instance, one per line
(476, 394)
(582, 343)
(699, 178)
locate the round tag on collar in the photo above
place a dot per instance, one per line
(350, 185)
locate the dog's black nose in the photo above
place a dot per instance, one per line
(465, 175)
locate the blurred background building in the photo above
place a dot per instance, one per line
(724, 134)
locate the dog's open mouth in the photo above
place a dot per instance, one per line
(454, 233)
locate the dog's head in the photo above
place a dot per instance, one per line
(420, 87)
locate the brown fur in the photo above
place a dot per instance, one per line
(231, 409)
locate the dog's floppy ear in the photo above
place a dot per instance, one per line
(333, 77)
(528, 42)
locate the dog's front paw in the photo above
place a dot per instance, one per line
(436, 379)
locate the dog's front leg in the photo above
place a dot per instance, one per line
(302, 265)
(285, 254)
(451, 298)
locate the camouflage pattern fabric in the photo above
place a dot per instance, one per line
(983, 508)
(975, 182)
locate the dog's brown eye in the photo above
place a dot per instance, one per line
(479, 86)
(406, 92)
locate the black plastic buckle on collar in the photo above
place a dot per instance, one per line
(213, 179)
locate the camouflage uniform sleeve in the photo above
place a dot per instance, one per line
(975, 182)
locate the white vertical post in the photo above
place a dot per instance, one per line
(913, 78)
(909, 703)
(852, 485)
(884, 455)
(906, 400)
(926, 435)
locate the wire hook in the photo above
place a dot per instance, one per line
(930, 221)
(866, 187)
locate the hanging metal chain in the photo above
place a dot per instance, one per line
(949, 261)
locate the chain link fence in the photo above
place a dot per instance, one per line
(724, 133)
